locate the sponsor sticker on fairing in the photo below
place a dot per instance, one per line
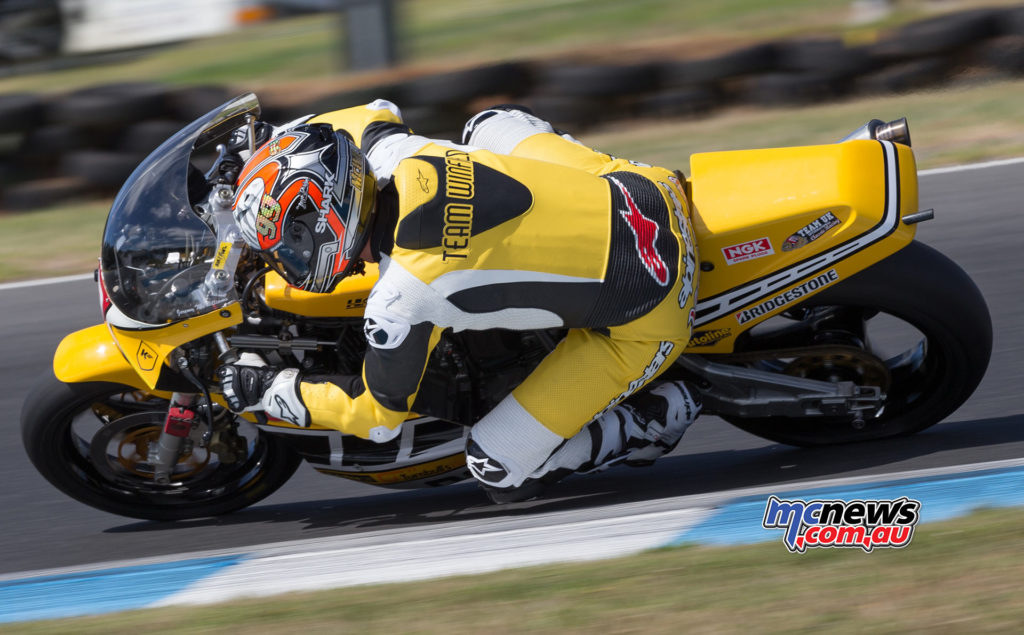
(787, 297)
(826, 524)
(749, 250)
(708, 338)
(811, 231)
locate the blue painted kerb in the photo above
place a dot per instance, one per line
(737, 522)
(102, 591)
(942, 497)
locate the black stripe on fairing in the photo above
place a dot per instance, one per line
(744, 295)
(819, 262)
(705, 311)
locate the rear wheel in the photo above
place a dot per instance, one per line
(92, 440)
(915, 325)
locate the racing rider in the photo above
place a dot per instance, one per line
(518, 227)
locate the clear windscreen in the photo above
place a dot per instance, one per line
(156, 249)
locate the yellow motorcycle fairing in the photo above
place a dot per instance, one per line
(347, 300)
(134, 357)
(747, 204)
(91, 354)
(147, 349)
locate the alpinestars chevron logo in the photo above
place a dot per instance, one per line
(485, 469)
(482, 466)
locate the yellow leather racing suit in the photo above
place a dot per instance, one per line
(518, 228)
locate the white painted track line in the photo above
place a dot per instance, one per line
(44, 281)
(971, 166)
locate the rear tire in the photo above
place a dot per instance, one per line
(54, 421)
(925, 289)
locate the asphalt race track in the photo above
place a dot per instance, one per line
(978, 223)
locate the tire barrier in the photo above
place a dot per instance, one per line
(19, 112)
(86, 142)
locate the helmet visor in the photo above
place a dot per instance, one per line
(293, 256)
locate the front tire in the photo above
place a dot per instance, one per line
(924, 289)
(60, 425)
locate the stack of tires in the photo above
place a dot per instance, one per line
(87, 142)
(433, 104)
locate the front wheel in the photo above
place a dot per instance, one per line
(915, 325)
(91, 441)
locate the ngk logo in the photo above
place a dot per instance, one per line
(748, 251)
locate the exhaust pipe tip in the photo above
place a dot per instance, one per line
(896, 131)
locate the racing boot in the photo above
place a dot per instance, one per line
(635, 433)
(505, 447)
(660, 417)
(483, 466)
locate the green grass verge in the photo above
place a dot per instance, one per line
(960, 576)
(51, 242)
(500, 29)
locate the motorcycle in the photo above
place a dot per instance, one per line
(819, 320)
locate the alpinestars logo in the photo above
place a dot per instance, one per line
(385, 333)
(646, 233)
(374, 333)
(482, 466)
(864, 524)
(384, 329)
(284, 411)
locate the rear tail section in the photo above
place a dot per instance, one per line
(775, 226)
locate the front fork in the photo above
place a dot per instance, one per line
(181, 419)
